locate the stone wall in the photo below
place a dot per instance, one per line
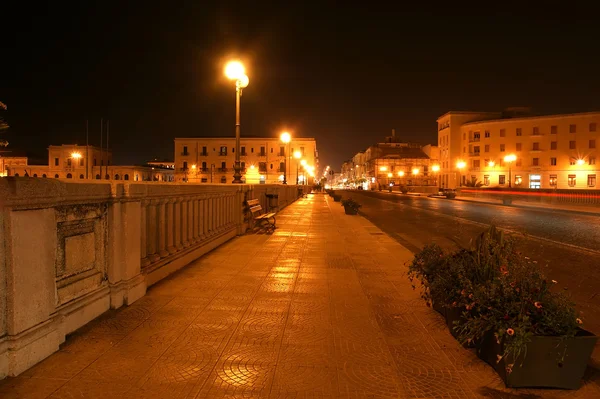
(542, 196)
(71, 251)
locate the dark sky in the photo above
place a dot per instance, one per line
(341, 74)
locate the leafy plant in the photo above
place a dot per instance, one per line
(473, 183)
(351, 205)
(3, 124)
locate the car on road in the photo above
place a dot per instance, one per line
(447, 192)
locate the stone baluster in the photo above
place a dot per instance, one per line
(191, 217)
(197, 218)
(152, 238)
(170, 216)
(204, 221)
(184, 223)
(162, 229)
(144, 233)
(177, 218)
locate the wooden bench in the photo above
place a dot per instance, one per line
(266, 220)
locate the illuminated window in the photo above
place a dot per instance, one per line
(502, 132)
(486, 180)
(204, 180)
(572, 145)
(553, 145)
(572, 180)
(502, 179)
(487, 134)
(553, 129)
(553, 180)
(519, 131)
(553, 161)
(518, 146)
(518, 180)
(592, 127)
(591, 180)
(572, 128)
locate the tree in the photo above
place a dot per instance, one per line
(3, 124)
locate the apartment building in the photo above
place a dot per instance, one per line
(212, 159)
(552, 151)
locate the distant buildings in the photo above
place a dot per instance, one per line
(7, 160)
(552, 151)
(393, 163)
(71, 161)
(211, 159)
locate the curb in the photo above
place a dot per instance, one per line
(581, 212)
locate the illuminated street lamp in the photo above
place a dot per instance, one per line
(401, 173)
(510, 159)
(303, 163)
(435, 169)
(285, 138)
(460, 165)
(491, 164)
(234, 70)
(580, 162)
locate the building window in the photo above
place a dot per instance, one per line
(572, 144)
(69, 176)
(282, 151)
(572, 161)
(592, 127)
(223, 179)
(486, 180)
(476, 136)
(243, 165)
(591, 180)
(55, 176)
(271, 166)
(487, 134)
(204, 180)
(518, 146)
(486, 148)
(262, 151)
(252, 150)
(572, 180)
(224, 166)
(282, 166)
(518, 180)
(223, 150)
(271, 150)
(68, 161)
(476, 163)
(125, 176)
(502, 179)
(203, 166)
(185, 165)
(536, 146)
(553, 129)
(232, 150)
(519, 131)
(476, 149)
(553, 161)
(592, 160)
(185, 150)
(502, 132)
(592, 143)
(536, 130)
(95, 163)
(553, 145)
(553, 180)
(535, 162)
(97, 177)
(80, 161)
(518, 162)
(502, 147)
(55, 161)
(572, 128)
(262, 167)
(117, 177)
(243, 151)
(80, 176)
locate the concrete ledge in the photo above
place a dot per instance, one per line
(127, 292)
(162, 270)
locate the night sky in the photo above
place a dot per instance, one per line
(343, 75)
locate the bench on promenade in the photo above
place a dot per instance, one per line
(264, 219)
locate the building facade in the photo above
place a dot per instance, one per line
(554, 151)
(212, 159)
(71, 161)
(7, 162)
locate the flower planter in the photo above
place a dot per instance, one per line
(456, 315)
(337, 198)
(544, 365)
(350, 210)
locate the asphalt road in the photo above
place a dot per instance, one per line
(566, 244)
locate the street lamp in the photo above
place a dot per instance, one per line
(285, 138)
(510, 159)
(460, 165)
(234, 70)
(298, 155)
(435, 169)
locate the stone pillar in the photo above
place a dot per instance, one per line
(152, 238)
(211, 216)
(162, 229)
(197, 218)
(184, 223)
(178, 243)
(144, 233)
(170, 226)
(204, 220)
(191, 221)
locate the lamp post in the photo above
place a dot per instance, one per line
(460, 165)
(234, 70)
(285, 138)
(510, 159)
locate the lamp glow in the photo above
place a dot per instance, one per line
(75, 155)
(285, 137)
(390, 174)
(461, 164)
(235, 70)
(401, 173)
(298, 155)
(510, 158)
(580, 162)
(303, 162)
(435, 168)
(415, 171)
(491, 164)
(383, 168)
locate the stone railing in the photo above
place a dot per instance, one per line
(69, 251)
(579, 197)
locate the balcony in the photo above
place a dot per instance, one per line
(262, 154)
(204, 154)
(243, 154)
(475, 154)
(223, 154)
(185, 154)
(281, 170)
(474, 139)
(223, 170)
(203, 170)
(183, 169)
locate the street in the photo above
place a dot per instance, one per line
(566, 244)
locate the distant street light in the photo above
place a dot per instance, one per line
(510, 159)
(460, 165)
(234, 70)
(435, 169)
(285, 138)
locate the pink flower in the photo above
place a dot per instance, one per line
(510, 331)
(579, 321)
(554, 282)
(470, 296)
(537, 305)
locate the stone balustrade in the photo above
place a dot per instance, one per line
(69, 251)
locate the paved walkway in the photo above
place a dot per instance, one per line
(320, 309)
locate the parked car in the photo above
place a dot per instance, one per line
(447, 192)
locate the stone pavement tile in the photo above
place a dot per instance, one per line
(301, 328)
(79, 389)
(368, 381)
(238, 380)
(117, 367)
(29, 388)
(301, 381)
(315, 353)
(352, 353)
